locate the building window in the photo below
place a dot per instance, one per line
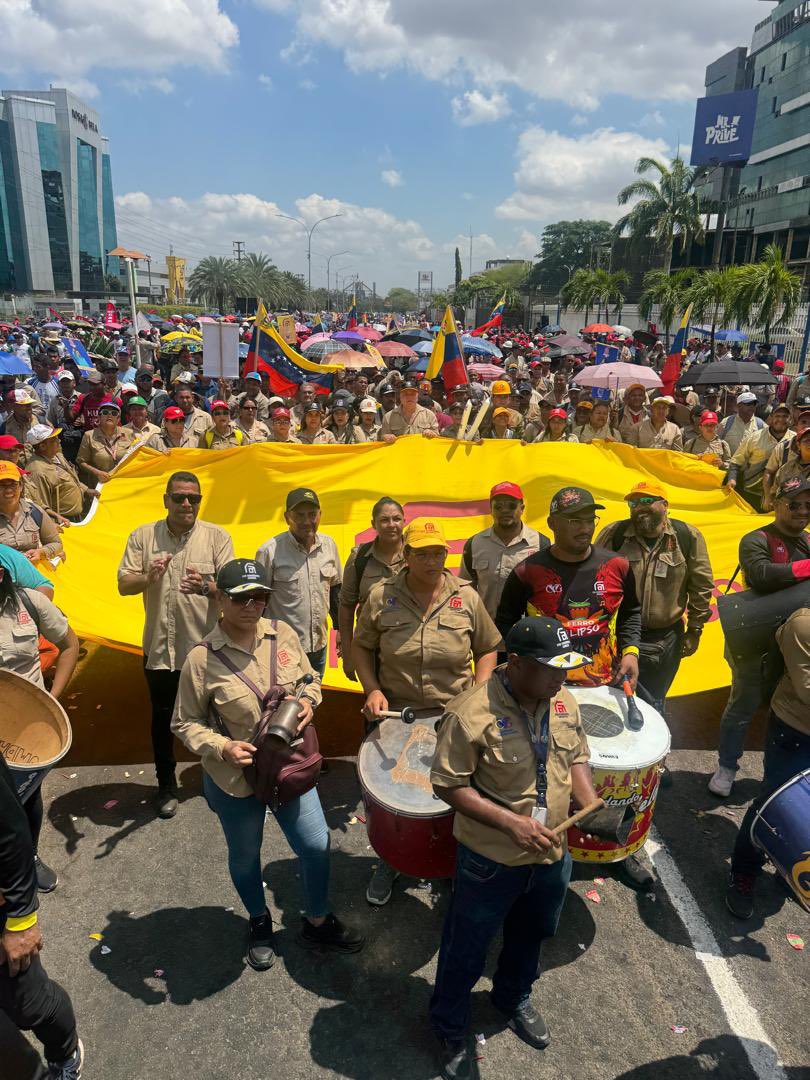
(773, 106)
(759, 183)
(784, 61)
(54, 192)
(111, 265)
(91, 275)
(762, 74)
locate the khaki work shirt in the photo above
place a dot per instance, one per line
(175, 621)
(425, 659)
(645, 436)
(395, 423)
(668, 585)
(484, 741)
(19, 634)
(261, 401)
(19, 431)
(24, 534)
(791, 699)
(717, 446)
(257, 432)
(102, 453)
(55, 485)
(784, 451)
(212, 440)
(753, 456)
(737, 432)
(205, 681)
(290, 439)
(630, 422)
(140, 436)
(197, 422)
(793, 469)
(319, 438)
(301, 581)
(587, 434)
(188, 440)
(351, 433)
(491, 561)
(355, 592)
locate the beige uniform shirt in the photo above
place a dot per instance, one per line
(484, 742)
(355, 592)
(175, 621)
(261, 401)
(587, 434)
(212, 440)
(717, 446)
(140, 436)
(791, 699)
(290, 439)
(752, 457)
(101, 453)
(425, 659)
(782, 453)
(320, 438)
(55, 485)
(19, 634)
(350, 434)
(197, 422)
(257, 432)
(19, 432)
(737, 432)
(667, 585)
(792, 469)
(205, 681)
(645, 436)
(396, 424)
(24, 534)
(630, 422)
(160, 441)
(301, 581)
(490, 561)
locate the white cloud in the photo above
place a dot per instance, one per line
(526, 245)
(483, 245)
(580, 120)
(652, 119)
(467, 196)
(628, 49)
(392, 177)
(266, 82)
(561, 176)
(83, 88)
(307, 84)
(155, 36)
(474, 107)
(142, 86)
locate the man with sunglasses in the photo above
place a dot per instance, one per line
(173, 564)
(772, 558)
(224, 434)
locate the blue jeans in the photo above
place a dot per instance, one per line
(743, 701)
(318, 660)
(526, 901)
(787, 752)
(304, 827)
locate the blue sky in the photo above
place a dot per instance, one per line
(414, 120)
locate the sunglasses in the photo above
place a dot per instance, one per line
(179, 499)
(177, 421)
(220, 412)
(249, 408)
(257, 599)
(643, 500)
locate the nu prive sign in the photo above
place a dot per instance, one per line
(83, 119)
(724, 128)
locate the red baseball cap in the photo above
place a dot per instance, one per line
(506, 488)
(174, 413)
(779, 365)
(709, 417)
(219, 405)
(280, 414)
(563, 415)
(10, 442)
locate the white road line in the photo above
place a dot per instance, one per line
(741, 1015)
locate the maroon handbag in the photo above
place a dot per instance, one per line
(279, 773)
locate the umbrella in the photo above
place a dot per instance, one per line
(172, 343)
(155, 318)
(419, 367)
(476, 346)
(622, 331)
(727, 373)
(598, 328)
(423, 348)
(488, 372)
(380, 326)
(394, 349)
(350, 336)
(645, 337)
(369, 333)
(410, 336)
(322, 349)
(313, 338)
(568, 345)
(617, 376)
(730, 335)
(10, 364)
(244, 346)
(552, 328)
(52, 326)
(350, 358)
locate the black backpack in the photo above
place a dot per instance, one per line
(685, 539)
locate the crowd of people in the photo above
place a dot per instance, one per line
(496, 651)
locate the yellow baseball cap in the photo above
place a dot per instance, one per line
(425, 532)
(501, 411)
(9, 471)
(645, 487)
(501, 387)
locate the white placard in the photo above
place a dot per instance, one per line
(221, 350)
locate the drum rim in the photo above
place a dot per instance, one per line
(779, 790)
(615, 694)
(376, 798)
(57, 709)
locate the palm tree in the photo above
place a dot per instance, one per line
(667, 291)
(667, 208)
(711, 293)
(256, 271)
(580, 291)
(767, 292)
(610, 287)
(214, 281)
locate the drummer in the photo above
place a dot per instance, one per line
(417, 638)
(510, 755)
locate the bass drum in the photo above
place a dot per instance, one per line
(781, 829)
(407, 824)
(35, 732)
(626, 767)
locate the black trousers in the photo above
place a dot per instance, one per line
(658, 662)
(33, 1002)
(162, 693)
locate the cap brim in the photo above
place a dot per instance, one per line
(586, 506)
(429, 541)
(251, 586)
(301, 502)
(563, 661)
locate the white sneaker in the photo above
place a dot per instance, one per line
(722, 781)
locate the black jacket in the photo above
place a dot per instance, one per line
(767, 557)
(18, 880)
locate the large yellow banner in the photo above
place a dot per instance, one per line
(244, 489)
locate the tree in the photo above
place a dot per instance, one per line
(766, 292)
(401, 300)
(565, 247)
(711, 293)
(113, 283)
(215, 281)
(667, 291)
(580, 291)
(667, 208)
(609, 287)
(459, 271)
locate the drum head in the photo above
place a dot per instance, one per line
(394, 766)
(603, 711)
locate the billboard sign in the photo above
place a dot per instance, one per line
(724, 128)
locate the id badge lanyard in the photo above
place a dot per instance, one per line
(540, 745)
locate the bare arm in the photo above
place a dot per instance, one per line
(485, 665)
(346, 628)
(66, 664)
(527, 833)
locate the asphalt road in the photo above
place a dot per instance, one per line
(172, 996)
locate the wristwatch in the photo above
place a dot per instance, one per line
(205, 588)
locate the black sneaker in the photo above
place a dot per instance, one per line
(71, 1069)
(261, 954)
(458, 1059)
(740, 895)
(527, 1024)
(331, 936)
(47, 879)
(166, 801)
(634, 873)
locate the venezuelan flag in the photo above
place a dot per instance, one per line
(447, 356)
(495, 318)
(251, 360)
(290, 369)
(352, 323)
(392, 327)
(672, 364)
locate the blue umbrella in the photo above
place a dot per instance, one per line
(349, 336)
(552, 328)
(243, 349)
(730, 335)
(11, 364)
(419, 367)
(476, 346)
(423, 348)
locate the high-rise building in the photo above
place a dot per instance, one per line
(57, 215)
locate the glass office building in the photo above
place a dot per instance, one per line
(57, 213)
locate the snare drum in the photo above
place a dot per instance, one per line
(781, 828)
(626, 766)
(407, 824)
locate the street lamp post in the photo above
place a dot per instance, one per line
(336, 255)
(309, 232)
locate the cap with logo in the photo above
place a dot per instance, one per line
(796, 485)
(301, 495)
(409, 384)
(63, 373)
(560, 414)
(544, 640)
(501, 411)
(664, 399)
(570, 499)
(10, 442)
(368, 405)
(500, 386)
(313, 407)
(280, 414)
(254, 375)
(39, 433)
(9, 471)
(185, 378)
(425, 532)
(219, 404)
(23, 397)
(709, 417)
(746, 398)
(128, 388)
(109, 406)
(506, 487)
(587, 404)
(241, 576)
(646, 487)
(174, 412)
(136, 401)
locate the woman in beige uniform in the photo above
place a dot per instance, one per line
(104, 447)
(417, 638)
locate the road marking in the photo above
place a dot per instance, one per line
(741, 1015)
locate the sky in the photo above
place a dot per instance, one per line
(417, 121)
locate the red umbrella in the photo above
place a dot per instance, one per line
(488, 372)
(369, 333)
(395, 348)
(598, 328)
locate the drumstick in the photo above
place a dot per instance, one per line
(564, 826)
(482, 412)
(407, 715)
(635, 719)
(465, 418)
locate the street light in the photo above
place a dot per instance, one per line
(336, 255)
(310, 231)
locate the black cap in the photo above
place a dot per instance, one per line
(302, 495)
(409, 384)
(313, 407)
(242, 575)
(106, 367)
(545, 640)
(796, 485)
(524, 387)
(802, 401)
(569, 499)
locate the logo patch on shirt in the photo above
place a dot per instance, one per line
(504, 724)
(391, 601)
(456, 602)
(560, 709)
(284, 657)
(23, 618)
